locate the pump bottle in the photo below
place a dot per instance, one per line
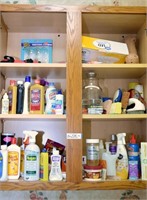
(122, 157)
(31, 157)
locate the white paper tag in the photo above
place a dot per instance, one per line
(75, 136)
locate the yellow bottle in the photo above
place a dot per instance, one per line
(37, 98)
(12, 94)
(44, 166)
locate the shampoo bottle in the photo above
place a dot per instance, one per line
(31, 157)
(3, 163)
(55, 173)
(122, 157)
(13, 160)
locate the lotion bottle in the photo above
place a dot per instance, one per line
(5, 104)
(3, 163)
(55, 173)
(26, 95)
(13, 160)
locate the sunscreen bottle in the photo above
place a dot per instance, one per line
(13, 160)
(3, 163)
(12, 94)
(55, 173)
(31, 157)
(122, 157)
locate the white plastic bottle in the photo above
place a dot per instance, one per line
(5, 104)
(55, 173)
(26, 95)
(31, 157)
(59, 103)
(122, 157)
(3, 163)
(50, 99)
(13, 160)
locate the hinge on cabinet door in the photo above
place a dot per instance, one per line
(63, 195)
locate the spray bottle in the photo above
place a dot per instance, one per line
(122, 157)
(31, 157)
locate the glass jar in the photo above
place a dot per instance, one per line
(92, 152)
(92, 95)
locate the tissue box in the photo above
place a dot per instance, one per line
(96, 50)
(37, 49)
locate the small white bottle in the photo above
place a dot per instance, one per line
(55, 173)
(13, 160)
(3, 163)
(59, 103)
(5, 104)
(26, 95)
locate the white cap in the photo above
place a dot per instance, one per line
(3, 147)
(92, 141)
(5, 96)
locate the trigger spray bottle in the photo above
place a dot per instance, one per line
(31, 157)
(122, 157)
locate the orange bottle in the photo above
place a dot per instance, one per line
(12, 94)
(37, 98)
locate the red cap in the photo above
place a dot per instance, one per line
(13, 140)
(133, 139)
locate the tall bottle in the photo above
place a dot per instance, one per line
(122, 157)
(31, 158)
(12, 94)
(92, 99)
(20, 97)
(5, 104)
(13, 160)
(59, 107)
(3, 163)
(50, 96)
(26, 95)
(37, 98)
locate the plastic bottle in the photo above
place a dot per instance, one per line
(101, 151)
(31, 158)
(20, 97)
(26, 95)
(50, 96)
(37, 98)
(55, 173)
(59, 103)
(91, 100)
(13, 160)
(3, 163)
(122, 157)
(12, 94)
(92, 152)
(5, 104)
(44, 165)
(113, 145)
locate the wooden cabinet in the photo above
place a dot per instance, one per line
(66, 25)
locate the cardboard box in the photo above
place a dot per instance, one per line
(37, 49)
(103, 51)
(144, 160)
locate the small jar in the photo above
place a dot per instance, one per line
(92, 173)
(92, 152)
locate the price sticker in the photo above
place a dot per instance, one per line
(76, 136)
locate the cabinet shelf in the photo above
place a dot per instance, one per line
(101, 185)
(46, 70)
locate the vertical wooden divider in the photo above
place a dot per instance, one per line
(74, 95)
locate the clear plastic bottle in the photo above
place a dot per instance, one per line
(92, 101)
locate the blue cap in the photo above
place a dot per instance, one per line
(27, 79)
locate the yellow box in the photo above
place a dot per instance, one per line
(96, 50)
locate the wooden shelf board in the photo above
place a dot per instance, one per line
(101, 185)
(114, 116)
(46, 70)
(117, 71)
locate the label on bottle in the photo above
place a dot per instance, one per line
(1, 165)
(10, 95)
(92, 152)
(51, 101)
(13, 160)
(35, 99)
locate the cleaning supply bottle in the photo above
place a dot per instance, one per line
(44, 165)
(12, 94)
(122, 157)
(55, 173)
(50, 96)
(59, 107)
(5, 104)
(20, 97)
(31, 157)
(13, 160)
(37, 98)
(3, 163)
(26, 95)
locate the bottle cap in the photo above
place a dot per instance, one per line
(92, 141)
(19, 82)
(37, 81)
(13, 140)
(27, 79)
(12, 82)
(3, 147)
(5, 96)
(133, 139)
(59, 92)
